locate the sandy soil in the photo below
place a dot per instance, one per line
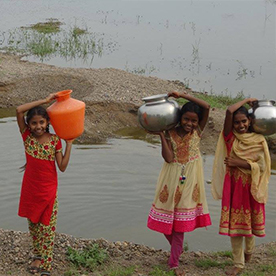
(112, 96)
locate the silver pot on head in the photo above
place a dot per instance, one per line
(263, 114)
(158, 113)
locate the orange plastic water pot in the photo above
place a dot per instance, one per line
(67, 115)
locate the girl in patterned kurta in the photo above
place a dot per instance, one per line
(180, 203)
(38, 200)
(242, 183)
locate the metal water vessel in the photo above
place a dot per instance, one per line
(263, 114)
(158, 113)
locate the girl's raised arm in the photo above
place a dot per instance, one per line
(228, 122)
(204, 105)
(63, 160)
(20, 110)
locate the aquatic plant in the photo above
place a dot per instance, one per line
(46, 40)
(52, 25)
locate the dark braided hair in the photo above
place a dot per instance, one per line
(38, 110)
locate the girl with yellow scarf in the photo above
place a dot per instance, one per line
(241, 173)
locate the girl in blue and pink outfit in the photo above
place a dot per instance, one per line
(180, 203)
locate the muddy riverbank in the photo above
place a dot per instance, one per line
(112, 96)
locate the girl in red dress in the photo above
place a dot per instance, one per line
(38, 200)
(240, 177)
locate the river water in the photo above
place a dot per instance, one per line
(223, 47)
(107, 191)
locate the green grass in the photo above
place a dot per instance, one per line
(226, 253)
(72, 272)
(272, 251)
(159, 271)
(120, 271)
(109, 270)
(88, 258)
(186, 246)
(78, 31)
(219, 101)
(261, 270)
(42, 46)
(266, 268)
(208, 263)
(50, 26)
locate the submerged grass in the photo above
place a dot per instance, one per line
(46, 40)
(50, 26)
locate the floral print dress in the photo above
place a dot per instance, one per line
(39, 186)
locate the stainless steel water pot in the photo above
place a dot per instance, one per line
(263, 114)
(158, 113)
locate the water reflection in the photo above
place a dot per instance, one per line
(207, 53)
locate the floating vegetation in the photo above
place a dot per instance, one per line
(50, 26)
(77, 31)
(46, 40)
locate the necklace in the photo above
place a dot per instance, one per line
(182, 177)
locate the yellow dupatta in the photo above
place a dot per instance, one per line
(253, 148)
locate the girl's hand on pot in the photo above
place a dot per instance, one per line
(51, 97)
(251, 101)
(176, 94)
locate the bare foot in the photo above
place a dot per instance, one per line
(234, 271)
(247, 257)
(178, 272)
(34, 266)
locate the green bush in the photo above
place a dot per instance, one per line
(88, 258)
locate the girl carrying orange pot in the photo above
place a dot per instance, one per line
(38, 200)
